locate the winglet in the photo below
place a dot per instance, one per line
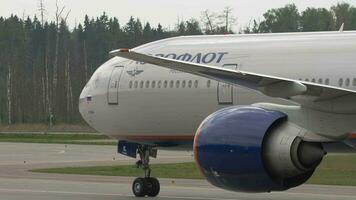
(118, 51)
(124, 50)
(342, 27)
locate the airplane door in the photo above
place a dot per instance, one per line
(114, 83)
(225, 91)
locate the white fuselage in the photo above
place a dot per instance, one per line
(137, 101)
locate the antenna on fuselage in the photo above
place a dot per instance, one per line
(342, 27)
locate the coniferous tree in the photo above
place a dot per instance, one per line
(34, 53)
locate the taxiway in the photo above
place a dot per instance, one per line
(16, 182)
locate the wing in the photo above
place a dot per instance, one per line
(269, 85)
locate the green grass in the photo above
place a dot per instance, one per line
(180, 170)
(41, 127)
(90, 139)
(334, 170)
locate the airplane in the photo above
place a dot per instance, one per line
(257, 110)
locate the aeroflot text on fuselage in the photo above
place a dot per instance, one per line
(205, 58)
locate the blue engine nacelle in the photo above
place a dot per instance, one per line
(252, 149)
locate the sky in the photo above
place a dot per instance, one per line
(166, 12)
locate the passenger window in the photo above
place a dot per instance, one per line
(320, 81)
(327, 81)
(153, 84)
(307, 80)
(177, 84)
(130, 84)
(208, 83)
(354, 82)
(171, 84)
(165, 84)
(341, 82)
(159, 84)
(183, 84)
(196, 84)
(347, 82)
(147, 84)
(313, 80)
(190, 84)
(141, 84)
(136, 84)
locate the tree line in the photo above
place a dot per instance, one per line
(289, 19)
(45, 64)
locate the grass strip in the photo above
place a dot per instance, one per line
(179, 170)
(88, 139)
(334, 170)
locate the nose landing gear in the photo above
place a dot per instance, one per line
(147, 186)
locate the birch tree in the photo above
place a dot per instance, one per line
(227, 19)
(208, 18)
(9, 95)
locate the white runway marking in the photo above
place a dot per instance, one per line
(61, 152)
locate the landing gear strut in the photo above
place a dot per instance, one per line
(147, 186)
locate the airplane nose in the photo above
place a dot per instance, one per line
(81, 105)
(84, 102)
